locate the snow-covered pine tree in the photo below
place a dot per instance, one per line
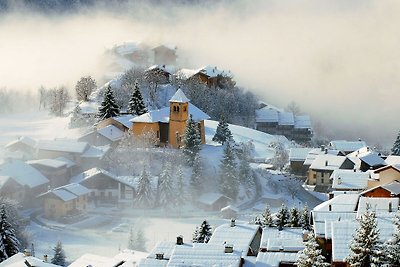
(266, 220)
(305, 218)
(282, 217)
(59, 255)
(136, 104)
(9, 244)
(229, 182)
(165, 188)
(396, 146)
(180, 187)
(144, 196)
(245, 173)
(195, 234)
(140, 241)
(222, 132)
(365, 240)
(109, 107)
(294, 217)
(192, 141)
(202, 233)
(131, 240)
(196, 180)
(393, 245)
(311, 255)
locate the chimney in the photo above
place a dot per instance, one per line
(326, 163)
(45, 258)
(326, 151)
(322, 148)
(233, 222)
(339, 180)
(330, 207)
(179, 240)
(354, 170)
(228, 248)
(159, 256)
(390, 206)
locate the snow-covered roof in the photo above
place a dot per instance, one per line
(24, 140)
(185, 74)
(392, 160)
(64, 145)
(230, 207)
(179, 97)
(340, 203)
(210, 198)
(240, 235)
(372, 159)
(327, 162)
(67, 192)
(23, 174)
(69, 162)
(378, 204)
(166, 68)
(395, 167)
(302, 122)
(20, 260)
(273, 259)
(164, 247)
(344, 145)
(125, 120)
(322, 221)
(285, 118)
(162, 115)
(318, 151)
(111, 132)
(89, 107)
(211, 71)
(200, 254)
(349, 179)
(90, 174)
(51, 163)
(299, 153)
(130, 257)
(150, 262)
(287, 239)
(96, 152)
(267, 114)
(95, 261)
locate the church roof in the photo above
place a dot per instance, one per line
(179, 97)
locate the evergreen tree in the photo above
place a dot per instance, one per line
(365, 240)
(9, 244)
(305, 219)
(108, 107)
(136, 104)
(196, 180)
(393, 245)
(266, 217)
(59, 255)
(144, 192)
(222, 132)
(180, 187)
(192, 141)
(282, 217)
(311, 255)
(166, 194)
(245, 172)
(294, 217)
(396, 146)
(229, 183)
(203, 233)
(140, 241)
(131, 240)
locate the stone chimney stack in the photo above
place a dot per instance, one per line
(179, 240)
(233, 222)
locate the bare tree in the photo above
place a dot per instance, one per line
(84, 87)
(294, 108)
(58, 98)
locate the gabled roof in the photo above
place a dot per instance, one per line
(162, 115)
(179, 97)
(67, 192)
(69, 146)
(273, 259)
(96, 152)
(349, 179)
(126, 48)
(51, 163)
(90, 174)
(20, 260)
(340, 203)
(24, 140)
(378, 204)
(327, 162)
(285, 118)
(392, 160)
(111, 132)
(23, 174)
(69, 162)
(302, 122)
(267, 114)
(344, 145)
(392, 187)
(299, 153)
(165, 68)
(125, 120)
(166, 46)
(240, 236)
(211, 198)
(210, 71)
(287, 239)
(372, 159)
(185, 74)
(395, 167)
(318, 151)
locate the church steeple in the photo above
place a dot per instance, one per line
(178, 116)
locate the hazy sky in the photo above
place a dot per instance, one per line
(339, 60)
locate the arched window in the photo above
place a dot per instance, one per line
(177, 109)
(174, 108)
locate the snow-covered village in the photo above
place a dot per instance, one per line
(199, 133)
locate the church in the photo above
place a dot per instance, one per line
(169, 123)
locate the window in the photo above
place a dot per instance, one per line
(177, 109)
(322, 180)
(184, 109)
(174, 108)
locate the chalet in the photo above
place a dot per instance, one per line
(311, 156)
(160, 74)
(108, 135)
(346, 146)
(67, 200)
(297, 157)
(371, 161)
(169, 124)
(55, 170)
(213, 201)
(349, 180)
(165, 54)
(385, 175)
(294, 127)
(61, 148)
(389, 190)
(211, 76)
(243, 237)
(21, 182)
(23, 144)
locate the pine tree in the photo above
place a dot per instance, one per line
(282, 217)
(305, 219)
(294, 217)
(108, 107)
(203, 233)
(365, 240)
(311, 255)
(166, 194)
(131, 240)
(229, 183)
(136, 104)
(9, 244)
(59, 255)
(196, 180)
(245, 172)
(393, 245)
(222, 132)
(140, 241)
(396, 146)
(266, 220)
(144, 192)
(180, 187)
(192, 141)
